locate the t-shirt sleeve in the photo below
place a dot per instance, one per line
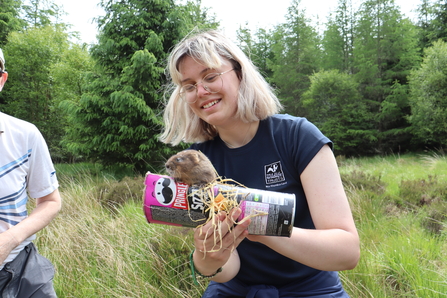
(42, 178)
(308, 142)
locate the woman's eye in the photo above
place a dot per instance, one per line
(189, 88)
(211, 77)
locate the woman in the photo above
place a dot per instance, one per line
(223, 105)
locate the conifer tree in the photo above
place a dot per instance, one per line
(297, 55)
(385, 51)
(118, 119)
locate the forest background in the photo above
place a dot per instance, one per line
(373, 81)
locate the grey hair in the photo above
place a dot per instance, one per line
(256, 99)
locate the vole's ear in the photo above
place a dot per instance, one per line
(195, 158)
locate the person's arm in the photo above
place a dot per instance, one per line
(47, 208)
(215, 248)
(334, 244)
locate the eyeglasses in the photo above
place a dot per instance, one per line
(212, 83)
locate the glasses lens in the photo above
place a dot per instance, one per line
(212, 82)
(188, 96)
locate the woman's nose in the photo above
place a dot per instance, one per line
(201, 90)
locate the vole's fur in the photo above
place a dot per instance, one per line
(191, 167)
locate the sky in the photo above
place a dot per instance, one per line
(231, 13)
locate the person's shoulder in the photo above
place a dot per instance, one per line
(15, 120)
(287, 119)
(16, 125)
(293, 125)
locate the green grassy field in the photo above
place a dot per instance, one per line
(400, 208)
(102, 246)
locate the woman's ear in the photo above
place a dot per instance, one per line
(3, 79)
(237, 69)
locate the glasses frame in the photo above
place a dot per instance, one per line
(183, 93)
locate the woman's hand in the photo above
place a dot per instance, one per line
(216, 244)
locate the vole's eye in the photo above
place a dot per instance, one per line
(179, 159)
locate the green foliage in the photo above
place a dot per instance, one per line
(391, 236)
(417, 193)
(435, 221)
(428, 101)
(361, 181)
(116, 194)
(33, 89)
(425, 19)
(105, 105)
(69, 73)
(9, 19)
(334, 104)
(258, 48)
(394, 111)
(338, 39)
(117, 119)
(40, 13)
(68, 77)
(99, 253)
(296, 56)
(432, 22)
(385, 50)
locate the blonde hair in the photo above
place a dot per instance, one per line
(256, 99)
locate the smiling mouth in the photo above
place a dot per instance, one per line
(209, 105)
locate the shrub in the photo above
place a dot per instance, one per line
(416, 193)
(359, 180)
(113, 195)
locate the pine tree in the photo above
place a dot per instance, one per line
(118, 119)
(297, 55)
(428, 99)
(385, 50)
(9, 19)
(338, 40)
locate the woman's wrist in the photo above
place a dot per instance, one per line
(195, 271)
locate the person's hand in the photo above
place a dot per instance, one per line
(7, 243)
(215, 241)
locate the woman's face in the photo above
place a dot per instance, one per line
(218, 108)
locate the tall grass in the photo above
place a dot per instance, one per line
(104, 249)
(100, 251)
(393, 199)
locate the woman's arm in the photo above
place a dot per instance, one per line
(334, 244)
(216, 247)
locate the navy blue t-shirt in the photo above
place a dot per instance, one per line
(273, 160)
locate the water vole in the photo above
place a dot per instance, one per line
(191, 167)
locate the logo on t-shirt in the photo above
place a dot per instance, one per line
(274, 173)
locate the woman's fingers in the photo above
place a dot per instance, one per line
(222, 232)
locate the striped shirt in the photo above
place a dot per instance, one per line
(26, 170)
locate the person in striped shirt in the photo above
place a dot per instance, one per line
(26, 171)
